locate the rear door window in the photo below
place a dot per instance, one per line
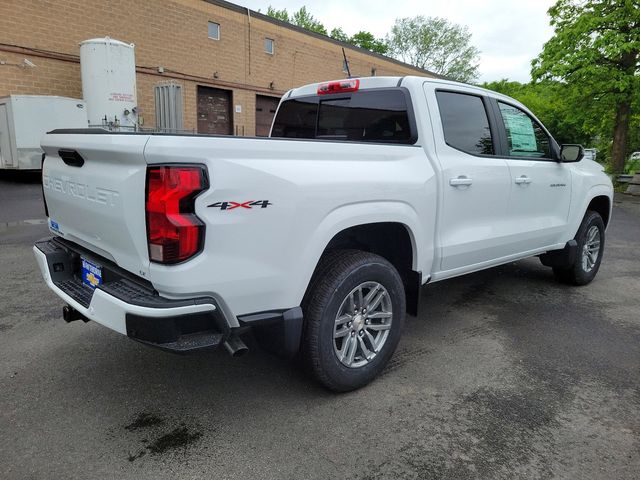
(465, 123)
(380, 116)
(296, 119)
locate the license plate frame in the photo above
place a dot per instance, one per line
(91, 273)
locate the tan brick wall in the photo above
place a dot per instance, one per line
(50, 77)
(172, 35)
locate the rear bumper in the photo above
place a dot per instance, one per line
(129, 305)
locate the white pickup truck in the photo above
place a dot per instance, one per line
(319, 238)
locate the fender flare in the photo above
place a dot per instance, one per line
(599, 190)
(352, 215)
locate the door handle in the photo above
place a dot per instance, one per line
(460, 181)
(523, 180)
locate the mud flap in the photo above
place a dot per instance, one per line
(565, 257)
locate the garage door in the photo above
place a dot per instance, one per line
(265, 110)
(214, 111)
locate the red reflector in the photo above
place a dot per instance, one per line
(174, 232)
(339, 86)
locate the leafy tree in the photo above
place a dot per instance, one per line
(552, 102)
(302, 18)
(435, 44)
(596, 50)
(367, 41)
(338, 34)
(279, 14)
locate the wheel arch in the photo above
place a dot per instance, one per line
(602, 205)
(347, 218)
(391, 240)
(598, 198)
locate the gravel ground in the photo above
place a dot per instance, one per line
(505, 374)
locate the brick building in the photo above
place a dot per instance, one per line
(232, 64)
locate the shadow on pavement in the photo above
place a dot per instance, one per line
(21, 176)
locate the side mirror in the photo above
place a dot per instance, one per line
(571, 153)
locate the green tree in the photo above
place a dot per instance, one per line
(367, 41)
(552, 102)
(435, 44)
(338, 34)
(302, 18)
(279, 14)
(596, 49)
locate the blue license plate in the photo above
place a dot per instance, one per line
(91, 273)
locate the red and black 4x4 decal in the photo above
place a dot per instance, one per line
(249, 204)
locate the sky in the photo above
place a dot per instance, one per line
(508, 33)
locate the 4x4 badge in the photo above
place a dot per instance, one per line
(249, 204)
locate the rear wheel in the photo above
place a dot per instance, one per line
(590, 239)
(354, 312)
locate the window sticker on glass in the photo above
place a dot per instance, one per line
(519, 129)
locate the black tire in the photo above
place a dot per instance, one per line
(339, 273)
(577, 274)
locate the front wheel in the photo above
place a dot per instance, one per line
(354, 312)
(590, 239)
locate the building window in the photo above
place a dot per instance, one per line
(168, 99)
(345, 66)
(374, 71)
(214, 31)
(269, 46)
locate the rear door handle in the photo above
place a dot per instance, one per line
(523, 180)
(460, 181)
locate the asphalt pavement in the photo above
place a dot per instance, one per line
(506, 374)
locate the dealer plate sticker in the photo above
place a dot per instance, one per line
(91, 273)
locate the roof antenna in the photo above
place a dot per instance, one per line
(346, 62)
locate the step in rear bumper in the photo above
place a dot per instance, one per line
(130, 306)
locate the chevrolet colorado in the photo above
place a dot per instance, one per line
(319, 238)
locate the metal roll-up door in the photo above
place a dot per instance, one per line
(214, 111)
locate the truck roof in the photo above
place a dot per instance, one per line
(388, 82)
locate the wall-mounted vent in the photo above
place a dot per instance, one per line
(168, 107)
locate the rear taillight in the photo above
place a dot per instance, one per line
(174, 232)
(341, 86)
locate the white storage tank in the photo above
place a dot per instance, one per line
(108, 70)
(24, 119)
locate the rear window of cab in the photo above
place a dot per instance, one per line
(376, 115)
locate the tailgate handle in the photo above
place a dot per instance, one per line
(71, 158)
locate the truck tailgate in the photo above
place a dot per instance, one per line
(100, 204)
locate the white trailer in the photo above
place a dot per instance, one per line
(24, 119)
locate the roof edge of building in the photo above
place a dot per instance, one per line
(240, 9)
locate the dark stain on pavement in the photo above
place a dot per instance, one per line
(144, 420)
(178, 438)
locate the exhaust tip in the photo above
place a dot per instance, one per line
(235, 346)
